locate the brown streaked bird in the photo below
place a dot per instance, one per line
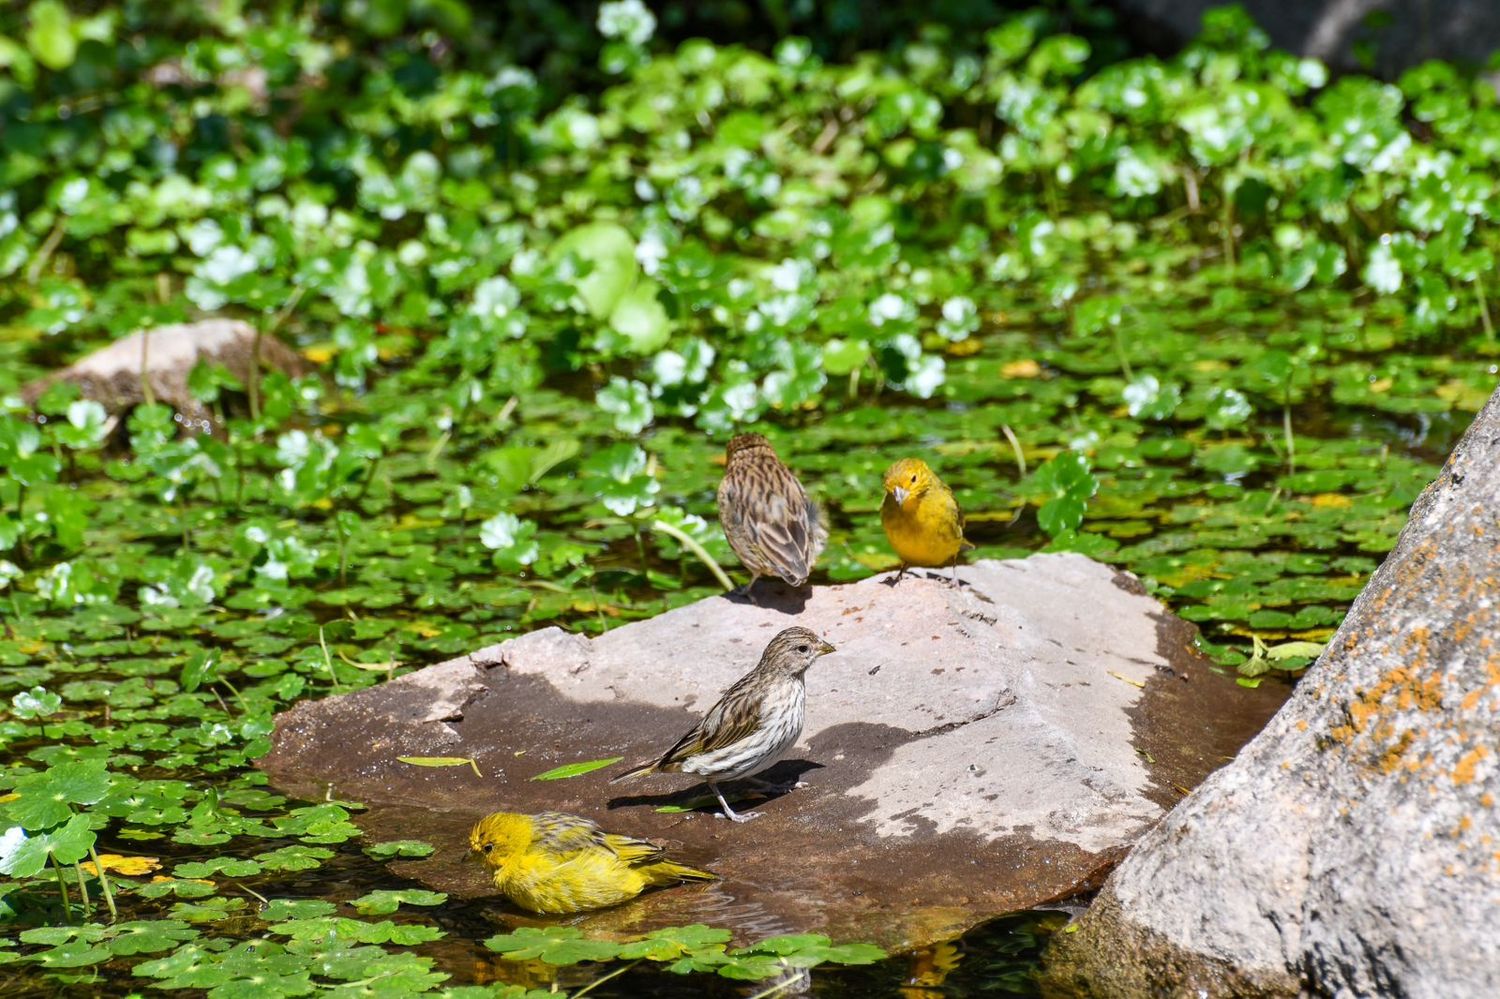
(767, 517)
(755, 721)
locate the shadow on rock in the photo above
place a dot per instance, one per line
(773, 594)
(780, 781)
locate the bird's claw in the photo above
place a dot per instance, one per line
(737, 816)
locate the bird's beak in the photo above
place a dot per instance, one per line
(900, 493)
(824, 648)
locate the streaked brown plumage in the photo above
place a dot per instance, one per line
(770, 522)
(755, 721)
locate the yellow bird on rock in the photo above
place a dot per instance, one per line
(921, 517)
(554, 862)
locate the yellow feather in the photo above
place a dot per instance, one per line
(920, 515)
(560, 863)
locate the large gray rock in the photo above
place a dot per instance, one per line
(970, 751)
(1353, 848)
(1399, 33)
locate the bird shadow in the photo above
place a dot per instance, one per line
(775, 595)
(935, 575)
(697, 797)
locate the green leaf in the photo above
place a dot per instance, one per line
(385, 901)
(198, 668)
(37, 702)
(46, 798)
(440, 761)
(674, 941)
(513, 541)
(1289, 650)
(630, 404)
(609, 252)
(50, 35)
(399, 848)
(577, 769)
(641, 319)
(559, 945)
(148, 936)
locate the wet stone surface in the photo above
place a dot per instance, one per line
(969, 752)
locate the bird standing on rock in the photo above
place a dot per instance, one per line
(755, 721)
(767, 516)
(554, 862)
(921, 517)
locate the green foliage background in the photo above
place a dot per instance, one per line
(1213, 318)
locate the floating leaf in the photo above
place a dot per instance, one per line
(441, 761)
(577, 769)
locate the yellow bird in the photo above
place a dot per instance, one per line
(554, 862)
(921, 517)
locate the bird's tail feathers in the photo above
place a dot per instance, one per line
(669, 872)
(640, 771)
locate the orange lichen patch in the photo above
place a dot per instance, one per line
(1471, 700)
(1301, 724)
(1463, 773)
(1487, 800)
(1390, 760)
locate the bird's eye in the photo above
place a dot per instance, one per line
(488, 847)
(914, 479)
(802, 648)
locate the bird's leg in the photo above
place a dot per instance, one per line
(954, 580)
(904, 567)
(730, 813)
(746, 592)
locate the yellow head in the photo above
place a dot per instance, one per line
(498, 837)
(908, 479)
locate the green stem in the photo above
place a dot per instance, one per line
(1286, 430)
(145, 372)
(62, 886)
(48, 247)
(338, 526)
(21, 545)
(327, 659)
(251, 891)
(1226, 224)
(780, 986)
(1015, 447)
(109, 895)
(83, 888)
(364, 486)
(1484, 308)
(437, 449)
(1120, 353)
(640, 548)
(697, 549)
(601, 980)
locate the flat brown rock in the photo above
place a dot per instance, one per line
(970, 751)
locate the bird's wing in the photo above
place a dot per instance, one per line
(733, 718)
(632, 850)
(772, 510)
(564, 835)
